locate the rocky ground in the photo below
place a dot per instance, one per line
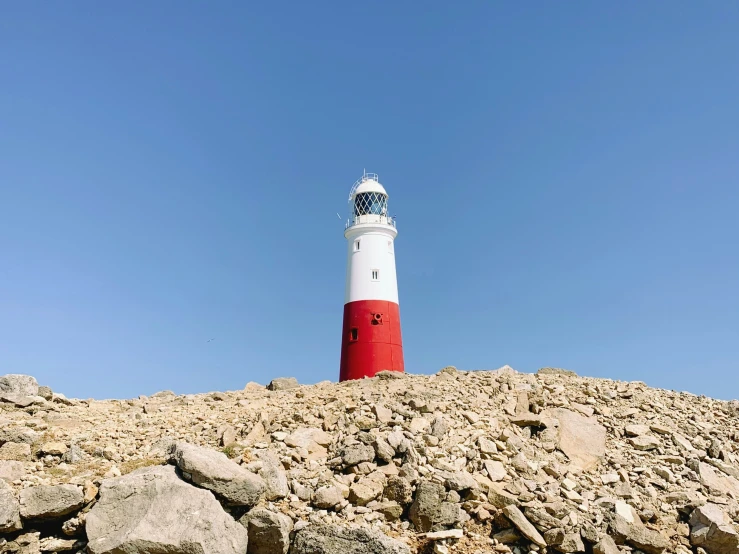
(463, 462)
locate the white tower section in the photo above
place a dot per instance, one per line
(370, 234)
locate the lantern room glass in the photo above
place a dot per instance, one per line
(366, 203)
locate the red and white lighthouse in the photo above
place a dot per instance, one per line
(370, 339)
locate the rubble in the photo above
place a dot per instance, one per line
(463, 462)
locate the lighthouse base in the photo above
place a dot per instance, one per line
(371, 339)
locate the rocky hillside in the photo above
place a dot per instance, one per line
(465, 462)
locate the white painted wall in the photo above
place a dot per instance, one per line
(376, 252)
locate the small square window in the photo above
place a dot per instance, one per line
(375, 274)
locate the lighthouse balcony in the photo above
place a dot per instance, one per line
(370, 219)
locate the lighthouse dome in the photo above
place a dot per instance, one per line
(370, 185)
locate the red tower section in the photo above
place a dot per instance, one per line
(372, 340)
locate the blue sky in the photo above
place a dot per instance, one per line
(565, 177)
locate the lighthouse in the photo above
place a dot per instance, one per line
(370, 338)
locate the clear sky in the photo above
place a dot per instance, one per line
(565, 178)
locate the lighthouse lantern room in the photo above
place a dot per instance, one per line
(371, 339)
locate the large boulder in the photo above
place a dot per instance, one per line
(582, 439)
(214, 471)
(50, 501)
(18, 385)
(151, 510)
(10, 516)
(711, 529)
(336, 539)
(269, 532)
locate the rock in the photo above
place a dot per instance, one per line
(269, 532)
(90, 491)
(606, 546)
(356, 454)
(439, 427)
(74, 455)
(50, 501)
(214, 471)
(309, 438)
(19, 385)
(556, 371)
(554, 537)
(10, 517)
(572, 542)
(327, 497)
(582, 439)
(419, 425)
(496, 470)
(335, 539)
(487, 446)
(499, 497)
(15, 451)
(507, 536)
(528, 420)
(228, 437)
(627, 527)
(391, 510)
(274, 476)
(645, 442)
(54, 544)
(152, 510)
(712, 529)
(53, 449)
(382, 413)
(460, 481)
(46, 393)
(716, 483)
(26, 543)
(283, 383)
(515, 516)
(11, 470)
(364, 491)
(636, 430)
(444, 535)
(383, 450)
(19, 435)
(399, 490)
(426, 508)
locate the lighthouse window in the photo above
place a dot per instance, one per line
(366, 203)
(356, 246)
(375, 274)
(353, 333)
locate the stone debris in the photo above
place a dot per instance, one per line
(462, 462)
